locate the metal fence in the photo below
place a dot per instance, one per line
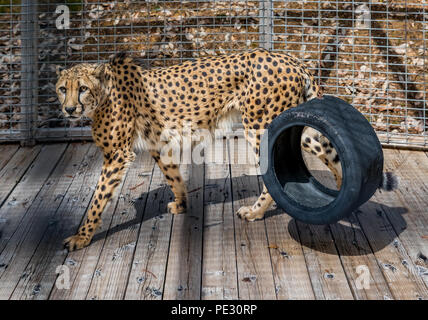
(371, 53)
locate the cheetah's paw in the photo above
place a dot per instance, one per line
(176, 207)
(76, 242)
(249, 214)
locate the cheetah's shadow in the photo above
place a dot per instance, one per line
(351, 233)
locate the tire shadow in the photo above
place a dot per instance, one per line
(369, 229)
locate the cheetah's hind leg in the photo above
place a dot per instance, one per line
(259, 208)
(315, 143)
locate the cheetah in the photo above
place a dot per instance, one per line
(131, 106)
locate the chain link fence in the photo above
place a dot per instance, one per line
(372, 54)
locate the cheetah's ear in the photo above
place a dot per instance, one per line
(99, 71)
(59, 69)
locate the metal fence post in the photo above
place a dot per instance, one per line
(266, 24)
(29, 70)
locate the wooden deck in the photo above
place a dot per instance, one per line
(141, 252)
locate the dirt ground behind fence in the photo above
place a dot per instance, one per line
(380, 68)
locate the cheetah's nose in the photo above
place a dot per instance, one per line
(70, 110)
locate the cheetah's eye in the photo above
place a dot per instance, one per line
(63, 90)
(83, 88)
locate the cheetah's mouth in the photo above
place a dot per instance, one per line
(72, 118)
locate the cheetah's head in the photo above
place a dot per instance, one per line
(81, 89)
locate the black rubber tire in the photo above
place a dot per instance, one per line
(290, 183)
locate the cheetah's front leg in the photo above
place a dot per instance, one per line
(113, 170)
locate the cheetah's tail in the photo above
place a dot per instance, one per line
(389, 181)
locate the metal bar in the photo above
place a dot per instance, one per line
(266, 24)
(29, 70)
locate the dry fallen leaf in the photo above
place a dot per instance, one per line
(135, 187)
(249, 279)
(272, 246)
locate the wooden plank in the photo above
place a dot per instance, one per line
(412, 170)
(389, 221)
(183, 276)
(17, 206)
(30, 230)
(255, 275)
(325, 269)
(327, 274)
(6, 153)
(116, 257)
(291, 277)
(359, 261)
(20, 199)
(354, 251)
(83, 263)
(219, 274)
(389, 252)
(41, 271)
(148, 268)
(15, 168)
